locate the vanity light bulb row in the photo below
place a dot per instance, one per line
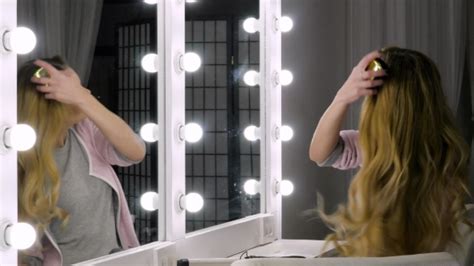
(192, 132)
(192, 202)
(253, 133)
(252, 78)
(285, 187)
(252, 25)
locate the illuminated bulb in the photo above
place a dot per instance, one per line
(149, 63)
(20, 40)
(251, 78)
(286, 133)
(286, 77)
(286, 187)
(20, 137)
(252, 133)
(149, 201)
(150, 2)
(193, 132)
(190, 62)
(252, 187)
(149, 132)
(191, 1)
(251, 25)
(20, 235)
(286, 24)
(193, 202)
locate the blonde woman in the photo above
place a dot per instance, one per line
(408, 195)
(67, 187)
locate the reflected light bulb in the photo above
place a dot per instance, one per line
(193, 132)
(149, 132)
(286, 77)
(20, 235)
(191, 62)
(150, 2)
(250, 25)
(20, 40)
(20, 137)
(251, 77)
(286, 24)
(252, 133)
(149, 63)
(286, 187)
(286, 133)
(252, 187)
(194, 202)
(149, 201)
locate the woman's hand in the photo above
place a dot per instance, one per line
(61, 85)
(361, 82)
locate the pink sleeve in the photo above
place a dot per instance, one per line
(351, 156)
(106, 149)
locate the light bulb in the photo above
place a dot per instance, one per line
(251, 78)
(251, 25)
(20, 40)
(149, 132)
(192, 132)
(286, 133)
(252, 133)
(150, 2)
(190, 62)
(286, 187)
(149, 201)
(193, 202)
(20, 137)
(286, 24)
(149, 63)
(252, 187)
(191, 1)
(20, 235)
(286, 77)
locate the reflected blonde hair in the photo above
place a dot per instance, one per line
(408, 196)
(39, 178)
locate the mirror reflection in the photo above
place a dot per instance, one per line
(224, 105)
(80, 185)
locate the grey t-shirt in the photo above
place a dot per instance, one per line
(91, 204)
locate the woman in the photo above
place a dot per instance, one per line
(408, 195)
(67, 187)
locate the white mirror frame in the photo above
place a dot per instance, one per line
(173, 241)
(8, 163)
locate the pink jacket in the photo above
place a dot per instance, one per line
(351, 156)
(101, 155)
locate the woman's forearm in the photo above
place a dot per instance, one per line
(326, 135)
(114, 129)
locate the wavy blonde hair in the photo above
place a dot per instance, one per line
(39, 178)
(408, 196)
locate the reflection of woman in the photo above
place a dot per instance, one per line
(408, 196)
(67, 187)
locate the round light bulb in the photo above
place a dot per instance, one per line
(150, 2)
(20, 235)
(194, 202)
(252, 187)
(286, 77)
(149, 201)
(286, 24)
(286, 133)
(250, 25)
(20, 137)
(286, 187)
(20, 40)
(149, 132)
(193, 132)
(149, 63)
(252, 133)
(191, 62)
(251, 77)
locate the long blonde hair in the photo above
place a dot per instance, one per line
(39, 178)
(408, 196)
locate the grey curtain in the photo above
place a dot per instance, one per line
(63, 27)
(437, 28)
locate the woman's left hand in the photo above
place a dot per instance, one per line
(61, 85)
